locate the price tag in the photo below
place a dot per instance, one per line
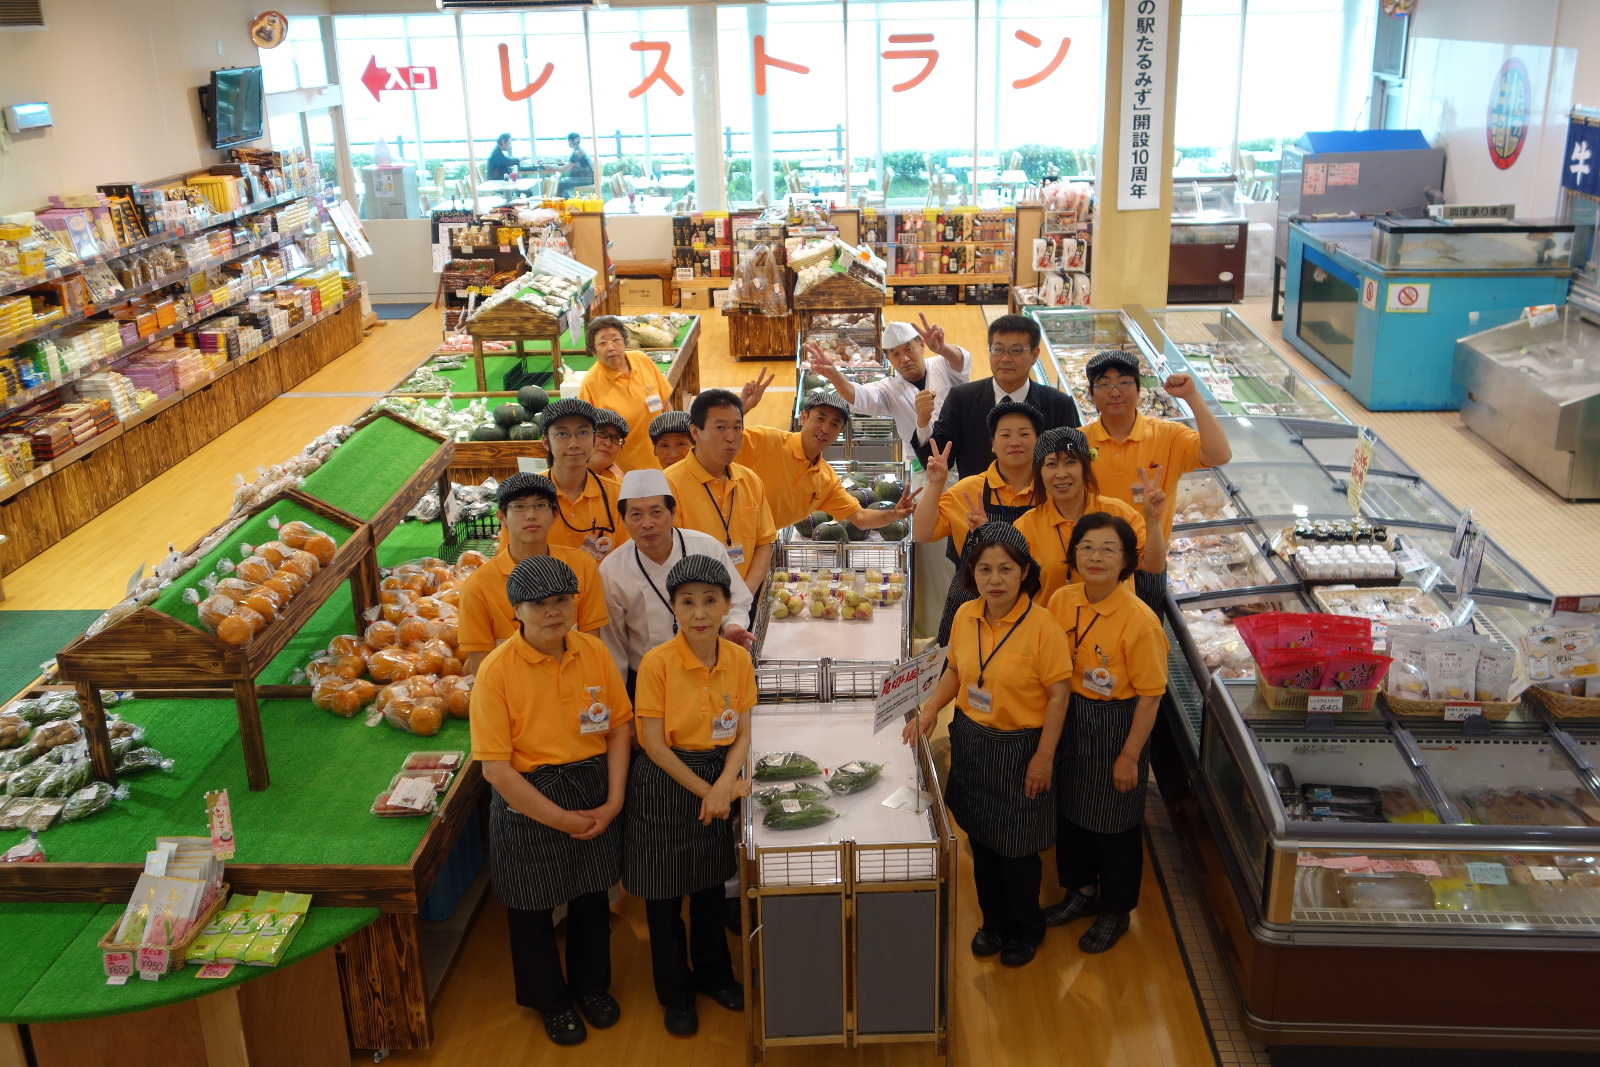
(1327, 703)
(117, 979)
(1486, 873)
(215, 970)
(1459, 712)
(152, 959)
(1546, 874)
(1423, 867)
(413, 793)
(118, 964)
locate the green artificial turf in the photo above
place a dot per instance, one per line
(326, 772)
(29, 638)
(367, 470)
(255, 531)
(61, 978)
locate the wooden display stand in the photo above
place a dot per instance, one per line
(148, 650)
(514, 321)
(841, 294)
(752, 335)
(434, 472)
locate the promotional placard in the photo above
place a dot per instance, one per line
(907, 686)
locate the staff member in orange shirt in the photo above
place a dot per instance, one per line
(628, 382)
(586, 503)
(693, 695)
(669, 436)
(1119, 671)
(550, 726)
(798, 480)
(717, 496)
(1123, 441)
(1007, 672)
(610, 431)
(527, 509)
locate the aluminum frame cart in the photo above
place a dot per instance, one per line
(848, 926)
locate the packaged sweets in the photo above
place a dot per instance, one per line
(14, 730)
(429, 761)
(853, 777)
(1452, 670)
(91, 799)
(1497, 666)
(272, 940)
(782, 766)
(1354, 670)
(797, 815)
(774, 794)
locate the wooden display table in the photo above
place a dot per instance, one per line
(752, 335)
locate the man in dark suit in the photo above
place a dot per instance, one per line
(963, 421)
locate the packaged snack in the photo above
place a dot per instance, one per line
(272, 940)
(65, 779)
(141, 760)
(1452, 668)
(430, 761)
(797, 815)
(91, 799)
(1354, 670)
(14, 730)
(392, 664)
(1400, 804)
(853, 777)
(804, 791)
(1408, 667)
(782, 766)
(294, 533)
(203, 949)
(1293, 668)
(1497, 665)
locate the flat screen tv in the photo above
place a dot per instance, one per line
(233, 106)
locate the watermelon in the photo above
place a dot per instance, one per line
(812, 382)
(526, 431)
(533, 399)
(490, 432)
(830, 531)
(509, 415)
(894, 531)
(883, 505)
(806, 527)
(862, 496)
(854, 532)
(886, 487)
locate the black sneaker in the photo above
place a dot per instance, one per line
(1017, 954)
(984, 943)
(1074, 905)
(1105, 932)
(565, 1027)
(682, 1023)
(602, 1011)
(731, 997)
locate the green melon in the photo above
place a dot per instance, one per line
(533, 399)
(854, 532)
(884, 505)
(887, 487)
(894, 531)
(830, 531)
(490, 432)
(526, 431)
(509, 415)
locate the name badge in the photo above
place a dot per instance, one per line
(736, 555)
(596, 718)
(597, 547)
(653, 402)
(1100, 681)
(979, 699)
(726, 724)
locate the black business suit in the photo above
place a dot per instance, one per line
(964, 420)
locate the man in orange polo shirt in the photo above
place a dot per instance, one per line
(586, 503)
(719, 497)
(1122, 441)
(799, 481)
(527, 505)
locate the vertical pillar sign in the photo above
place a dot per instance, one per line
(1144, 94)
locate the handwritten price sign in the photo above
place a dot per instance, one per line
(906, 687)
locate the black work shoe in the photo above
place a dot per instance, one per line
(1017, 953)
(984, 943)
(565, 1027)
(1074, 905)
(1105, 932)
(682, 1023)
(602, 1011)
(731, 997)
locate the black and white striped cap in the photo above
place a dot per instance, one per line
(1002, 533)
(1011, 407)
(565, 408)
(1109, 360)
(538, 577)
(522, 484)
(698, 568)
(668, 422)
(607, 417)
(1060, 439)
(825, 398)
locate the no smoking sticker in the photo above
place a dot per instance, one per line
(1369, 293)
(1408, 296)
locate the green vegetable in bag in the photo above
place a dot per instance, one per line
(65, 779)
(92, 798)
(772, 794)
(783, 766)
(143, 759)
(16, 758)
(797, 815)
(853, 777)
(25, 782)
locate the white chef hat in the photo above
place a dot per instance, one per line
(644, 482)
(896, 334)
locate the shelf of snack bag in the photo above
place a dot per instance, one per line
(845, 842)
(757, 305)
(1054, 261)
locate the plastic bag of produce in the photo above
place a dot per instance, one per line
(797, 815)
(91, 799)
(344, 697)
(421, 717)
(16, 758)
(392, 664)
(57, 733)
(141, 760)
(65, 779)
(803, 791)
(853, 777)
(121, 729)
(14, 730)
(456, 692)
(25, 782)
(782, 766)
(240, 628)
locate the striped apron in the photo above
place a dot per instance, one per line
(984, 793)
(668, 853)
(535, 866)
(957, 596)
(1095, 733)
(1152, 590)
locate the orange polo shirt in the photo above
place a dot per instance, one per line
(1049, 535)
(638, 395)
(1171, 446)
(593, 514)
(527, 707)
(673, 685)
(1033, 658)
(733, 509)
(795, 485)
(1120, 636)
(953, 504)
(486, 616)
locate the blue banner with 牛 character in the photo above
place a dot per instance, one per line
(1580, 165)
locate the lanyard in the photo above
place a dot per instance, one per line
(682, 551)
(727, 535)
(983, 664)
(604, 499)
(1077, 638)
(999, 512)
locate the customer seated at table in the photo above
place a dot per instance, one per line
(577, 173)
(501, 161)
(669, 437)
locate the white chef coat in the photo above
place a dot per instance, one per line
(897, 398)
(639, 618)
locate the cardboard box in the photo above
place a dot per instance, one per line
(642, 292)
(694, 299)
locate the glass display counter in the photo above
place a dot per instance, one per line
(1073, 336)
(1206, 262)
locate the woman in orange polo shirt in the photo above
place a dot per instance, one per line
(627, 382)
(1119, 672)
(693, 692)
(550, 727)
(1007, 672)
(610, 432)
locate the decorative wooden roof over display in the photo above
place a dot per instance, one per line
(840, 291)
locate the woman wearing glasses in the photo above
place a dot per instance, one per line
(610, 432)
(627, 382)
(586, 503)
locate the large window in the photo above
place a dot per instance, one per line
(297, 63)
(643, 111)
(1039, 88)
(1208, 88)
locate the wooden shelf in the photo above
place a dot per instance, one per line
(703, 283)
(949, 279)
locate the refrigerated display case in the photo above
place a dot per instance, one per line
(1074, 336)
(1206, 261)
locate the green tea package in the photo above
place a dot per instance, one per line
(272, 940)
(237, 942)
(204, 947)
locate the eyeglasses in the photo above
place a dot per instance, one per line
(1126, 386)
(1096, 551)
(520, 510)
(1014, 350)
(569, 435)
(613, 438)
